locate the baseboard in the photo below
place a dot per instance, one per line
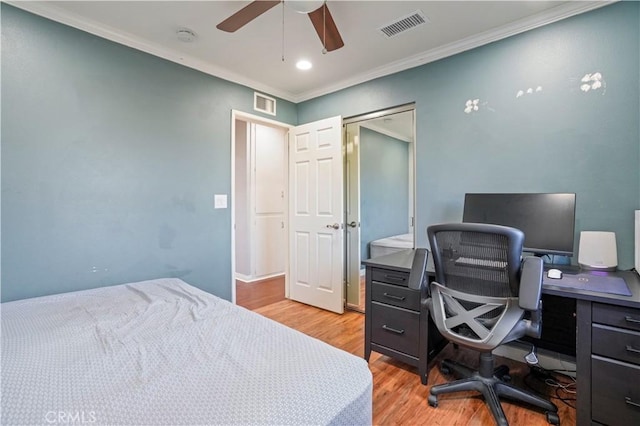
(251, 279)
(547, 359)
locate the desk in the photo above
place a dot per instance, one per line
(607, 353)
(607, 343)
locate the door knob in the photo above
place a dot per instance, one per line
(334, 226)
(353, 224)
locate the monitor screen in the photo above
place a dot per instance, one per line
(547, 220)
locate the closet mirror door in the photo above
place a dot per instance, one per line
(379, 191)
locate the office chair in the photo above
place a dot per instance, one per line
(482, 291)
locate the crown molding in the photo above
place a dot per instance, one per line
(46, 10)
(566, 10)
(550, 16)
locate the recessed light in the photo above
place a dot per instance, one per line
(303, 65)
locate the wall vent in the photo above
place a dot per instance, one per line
(403, 24)
(264, 103)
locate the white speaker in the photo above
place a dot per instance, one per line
(598, 250)
(637, 241)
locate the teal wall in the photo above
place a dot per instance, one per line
(384, 188)
(560, 139)
(111, 157)
(110, 162)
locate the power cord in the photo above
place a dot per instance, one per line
(552, 379)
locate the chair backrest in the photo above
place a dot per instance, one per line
(475, 295)
(477, 258)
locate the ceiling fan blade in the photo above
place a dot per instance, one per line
(246, 15)
(326, 28)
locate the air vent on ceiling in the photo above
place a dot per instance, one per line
(405, 23)
(264, 103)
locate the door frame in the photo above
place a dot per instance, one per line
(244, 116)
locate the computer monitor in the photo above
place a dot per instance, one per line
(547, 220)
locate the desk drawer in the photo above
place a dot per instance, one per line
(390, 277)
(616, 343)
(395, 295)
(617, 316)
(395, 328)
(615, 394)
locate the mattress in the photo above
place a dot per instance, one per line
(163, 352)
(389, 245)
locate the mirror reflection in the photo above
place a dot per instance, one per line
(379, 183)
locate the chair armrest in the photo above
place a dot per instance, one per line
(418, 269)
(530, 283)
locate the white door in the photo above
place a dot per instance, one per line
(316, 212)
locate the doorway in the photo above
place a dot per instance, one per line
(308, 237)
(379, 191)
(259, 209)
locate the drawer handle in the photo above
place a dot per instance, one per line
(632, 349)
(391, 296)
(629, 318)
(393, 330)
(628, 401)
(399, 278)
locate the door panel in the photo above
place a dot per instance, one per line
(269, 169)
(316, 231)
(270, 239)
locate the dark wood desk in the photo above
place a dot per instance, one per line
(607, 338)
(607, 353)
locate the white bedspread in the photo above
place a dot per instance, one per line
(164, 352)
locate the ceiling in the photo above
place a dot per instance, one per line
(260, 56)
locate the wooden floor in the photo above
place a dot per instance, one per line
(363, 297)
(398, 396)
(256, 294)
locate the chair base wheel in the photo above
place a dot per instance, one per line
(445, 370)
(552, 418)
(433, 401)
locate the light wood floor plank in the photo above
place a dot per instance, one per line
(256, 294)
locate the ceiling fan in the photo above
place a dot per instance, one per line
(320, 17)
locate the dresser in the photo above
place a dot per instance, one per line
(396, 324)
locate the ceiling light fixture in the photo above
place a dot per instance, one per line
(185, 35)
(304, 6)
(303, 65)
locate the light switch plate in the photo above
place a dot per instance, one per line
(220, 201)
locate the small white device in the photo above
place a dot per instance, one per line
(598, 250)
(554, 274)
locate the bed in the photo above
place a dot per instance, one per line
(389, 245)
(164, 352)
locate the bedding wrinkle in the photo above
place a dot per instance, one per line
(138, 292)
(198, 306)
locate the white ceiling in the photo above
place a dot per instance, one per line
(253, 55)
